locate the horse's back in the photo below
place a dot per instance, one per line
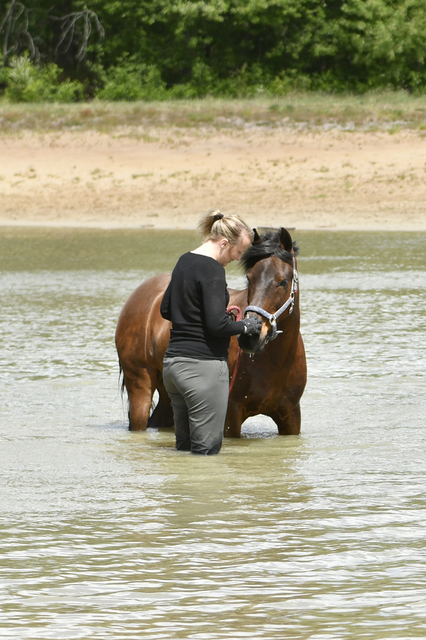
(142, 333)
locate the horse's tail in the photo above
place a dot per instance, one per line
(121, 378)
(122, 384)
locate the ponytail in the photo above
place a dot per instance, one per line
(214, 224)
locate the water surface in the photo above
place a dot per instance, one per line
(110, 534)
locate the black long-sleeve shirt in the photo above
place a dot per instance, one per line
(195, 301)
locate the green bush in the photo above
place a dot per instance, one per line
(27, 83)
(158, 49)
(2, 73)
(245, 83)
(284, 83)
(133, 81)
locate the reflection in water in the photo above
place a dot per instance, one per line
(112, 534)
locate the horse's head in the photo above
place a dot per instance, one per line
(270, 265)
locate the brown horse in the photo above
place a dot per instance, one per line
(267, 378)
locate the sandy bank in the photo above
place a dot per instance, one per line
(165, 178)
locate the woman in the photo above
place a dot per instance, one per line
(195, 371)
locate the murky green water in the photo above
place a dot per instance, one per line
(110, 534)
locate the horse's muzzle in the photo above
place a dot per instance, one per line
(251, 344)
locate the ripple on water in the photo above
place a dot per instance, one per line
(111, 534)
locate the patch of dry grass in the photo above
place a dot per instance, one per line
(375, 111)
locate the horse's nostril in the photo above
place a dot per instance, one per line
(251, 343)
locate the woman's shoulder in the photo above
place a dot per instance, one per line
(200, 261)
(198, 268)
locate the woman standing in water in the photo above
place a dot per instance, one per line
(195, 371)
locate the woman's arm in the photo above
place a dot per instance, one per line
(165, 308)
(217, 321)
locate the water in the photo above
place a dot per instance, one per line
(110, 534)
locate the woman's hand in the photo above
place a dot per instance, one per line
(252, 325)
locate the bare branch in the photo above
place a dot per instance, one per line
(68, 31)
(15, 32)
(16, 37)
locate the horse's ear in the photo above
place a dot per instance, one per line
(286, 240)
(256, 238)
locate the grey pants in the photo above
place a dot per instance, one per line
(198, 390)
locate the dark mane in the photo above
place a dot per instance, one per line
(269, 245)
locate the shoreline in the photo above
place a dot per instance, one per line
(5, 226)
(166, 178)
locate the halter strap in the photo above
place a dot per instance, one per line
(272, 317)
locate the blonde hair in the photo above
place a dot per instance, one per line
(214, 225)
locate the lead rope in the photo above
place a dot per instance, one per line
(237, 362)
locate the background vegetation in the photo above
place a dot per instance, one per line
(162, 49)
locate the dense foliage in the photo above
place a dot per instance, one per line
(154, 49)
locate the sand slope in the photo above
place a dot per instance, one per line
(168, 177)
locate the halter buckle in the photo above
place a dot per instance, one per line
(275, 333)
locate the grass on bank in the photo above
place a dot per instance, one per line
(390, 111)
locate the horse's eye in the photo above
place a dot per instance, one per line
(283, 283)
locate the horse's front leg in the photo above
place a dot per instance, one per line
(288, 420)
(234, 419)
